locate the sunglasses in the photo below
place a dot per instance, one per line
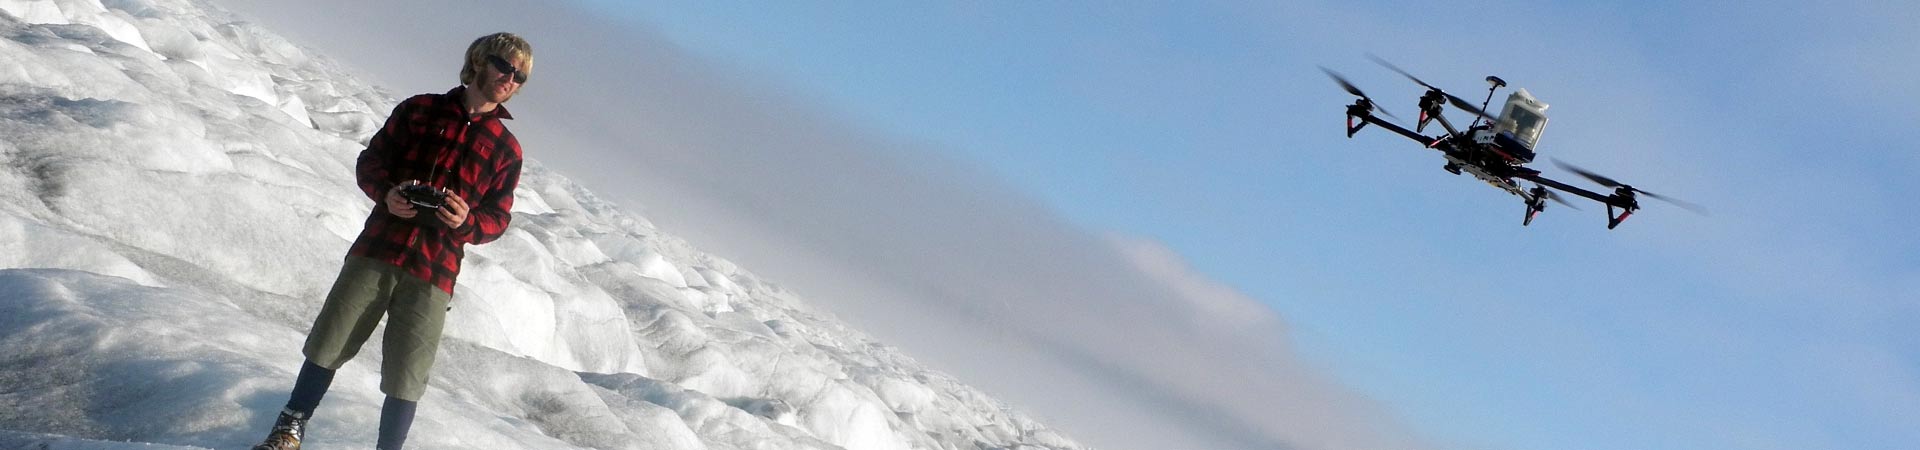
(507, 68)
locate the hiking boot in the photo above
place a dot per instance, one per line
(287, 432)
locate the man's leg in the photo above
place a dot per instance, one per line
(353, 308)
(308, 388)
(396, 418)
(414, 325)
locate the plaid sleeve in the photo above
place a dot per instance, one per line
(488, 218)
(372, 170)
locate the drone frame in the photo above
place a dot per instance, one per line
(1620, 205)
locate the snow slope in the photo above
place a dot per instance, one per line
(176, 193)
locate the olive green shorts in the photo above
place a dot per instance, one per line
(416, 313)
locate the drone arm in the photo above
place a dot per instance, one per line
(1403, 131)
(1626, 206)
(1570, 189)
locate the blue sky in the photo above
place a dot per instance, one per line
(1772, 323)
(1780, 320)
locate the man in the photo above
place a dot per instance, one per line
(441, 173)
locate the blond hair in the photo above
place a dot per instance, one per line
(505, 45)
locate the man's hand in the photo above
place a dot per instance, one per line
(398, 205)
(454, 213)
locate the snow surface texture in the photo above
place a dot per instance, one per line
(176, 193)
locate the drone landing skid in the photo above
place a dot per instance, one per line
(1614, 221)
(1536, 202)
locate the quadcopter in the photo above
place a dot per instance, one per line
(1496, 149)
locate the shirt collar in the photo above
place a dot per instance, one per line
(458, 97)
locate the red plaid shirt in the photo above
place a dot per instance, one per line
(429, 138)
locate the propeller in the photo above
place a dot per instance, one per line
(1555, 196)
(1612, 183)
(1351, 89)
(1456, 100)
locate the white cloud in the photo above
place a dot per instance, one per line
(1212, 302)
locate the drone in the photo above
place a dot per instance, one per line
(1497, 149)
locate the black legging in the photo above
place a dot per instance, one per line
(396, 416)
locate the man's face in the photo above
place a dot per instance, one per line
(500, 78)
